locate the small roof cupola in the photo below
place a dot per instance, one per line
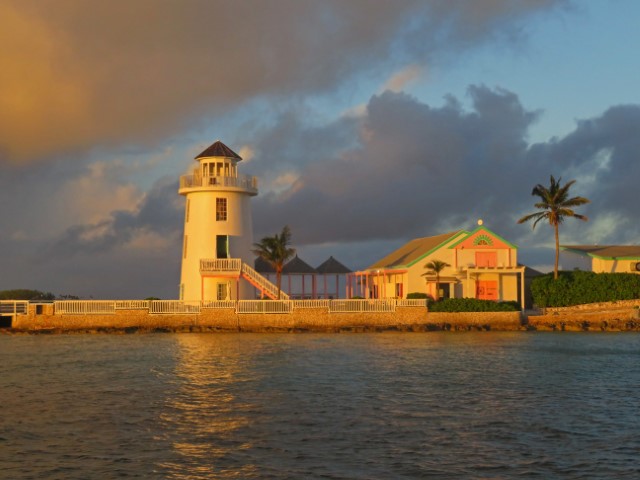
(219, 149)
(218, 160)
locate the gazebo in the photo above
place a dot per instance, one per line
(300, 280)
(331, 267)
(298, 270)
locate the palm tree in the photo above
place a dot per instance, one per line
(435, 267)
(555, 206)
(276, 252)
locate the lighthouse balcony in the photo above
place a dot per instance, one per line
(220, 265)
(245, 183)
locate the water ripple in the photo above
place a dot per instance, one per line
(434, 405)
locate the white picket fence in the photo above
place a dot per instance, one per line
(411, 302)
(264, 306)
(319, 303)
(173, 306)
(102, 307)
(132, 304)
(218, 304)
(362, 306)
(84, 307)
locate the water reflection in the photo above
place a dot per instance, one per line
(204, 413)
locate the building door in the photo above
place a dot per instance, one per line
(222, 246)
(487, 290)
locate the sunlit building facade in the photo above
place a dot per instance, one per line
(480, 264)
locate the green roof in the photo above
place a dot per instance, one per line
(415, 250)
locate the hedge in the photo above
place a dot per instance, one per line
(578, 287)
(472, 305)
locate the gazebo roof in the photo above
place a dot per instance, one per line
(262, 266)
(331, 265)
(297, 265)
(219, 149)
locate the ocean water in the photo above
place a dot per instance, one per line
(357, 406)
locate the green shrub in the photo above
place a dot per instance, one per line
(417, 295)
(472, 305)
(577, 288)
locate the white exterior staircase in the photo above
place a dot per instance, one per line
(236, 265)
(261, 283)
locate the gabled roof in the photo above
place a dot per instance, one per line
(219, 149)
(297, 265)
(483, 232)
(414, 250)
(607, 252)
(331, 265)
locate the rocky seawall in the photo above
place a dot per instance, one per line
(621, 316)
(409, 319)
(613, 317)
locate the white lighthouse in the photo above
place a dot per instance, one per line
(218, 232)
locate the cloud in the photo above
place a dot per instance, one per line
(81, 75)
(399, 80)
(419, 170)
(159, 214)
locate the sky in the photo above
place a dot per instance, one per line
(368, 123)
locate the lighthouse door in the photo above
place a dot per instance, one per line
(222, 246)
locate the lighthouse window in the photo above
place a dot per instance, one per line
(221, 209)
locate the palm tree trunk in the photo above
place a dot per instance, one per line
(437, 286)
(555, 267)
(279, 281)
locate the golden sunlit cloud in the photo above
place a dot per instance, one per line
(404, 77)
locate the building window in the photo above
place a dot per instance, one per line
(182, 291)
(399, 290)
(221, 293)
(186, 215)
(184, 247)
(221, 209)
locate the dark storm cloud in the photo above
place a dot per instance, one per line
(81, 74)
(606, 148)
(421, 170)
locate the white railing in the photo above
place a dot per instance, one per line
(220, 264)
(132, 304)
(173, 306)
(84, 307)
(355, 306)
(218, 304)
(262, 283)
(311, 303)
(246, 182)
(411, 302)
(264, 306)
(15, 307)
